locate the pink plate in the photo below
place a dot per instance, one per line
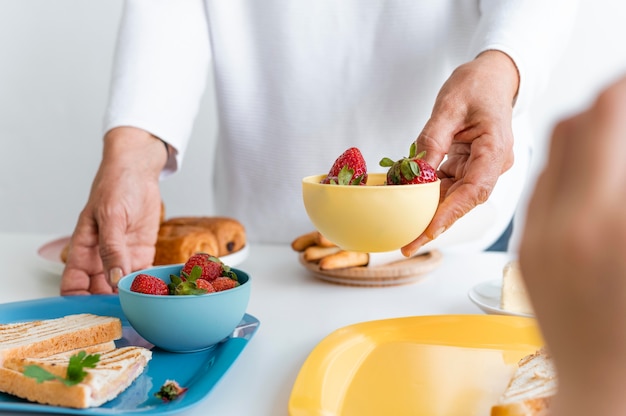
(51, 251)
(50, 255)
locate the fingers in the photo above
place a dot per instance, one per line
(77, 281)
(469, 138)
(438, 132)
(113, 250)
(467, 180)
(577, 203)
(477, 92)
(458, 202)
(117, 230)
(538, 242)
(435, 150)
(128, 237)
(605, 121)
(476, 172)
(100, 285)
(74, 282)
(83, 259)
(572, 248)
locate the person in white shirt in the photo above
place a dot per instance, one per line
(572, 257)
(296, 84)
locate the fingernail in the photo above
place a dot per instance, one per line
(115, 274)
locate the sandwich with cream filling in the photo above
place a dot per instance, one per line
(70, 361)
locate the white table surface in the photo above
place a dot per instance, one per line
(296, 311)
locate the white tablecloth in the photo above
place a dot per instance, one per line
(296, 311)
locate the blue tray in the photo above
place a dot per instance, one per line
(199, 371)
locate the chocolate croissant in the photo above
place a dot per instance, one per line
(173, 249)
(180, 237)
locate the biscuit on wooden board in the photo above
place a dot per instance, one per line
(317, 248)
(314, 253)
(343, 259)
(303, 241)
(322, 241)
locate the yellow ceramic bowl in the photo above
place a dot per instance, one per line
(370, 218)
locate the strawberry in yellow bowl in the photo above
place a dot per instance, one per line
(372, 212)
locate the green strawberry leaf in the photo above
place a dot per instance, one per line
(386, 162)
(195, 273)
(174, 282)
(188, 288)
(413, 150)
(415, 168)
(228, 272)
(407, 172)
(175, 279)
(345, 175)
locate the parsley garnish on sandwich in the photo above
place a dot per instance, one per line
(75, 369)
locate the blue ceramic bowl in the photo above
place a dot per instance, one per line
(184, 323)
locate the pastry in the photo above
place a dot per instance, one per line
(180, 237)
(176, 245)
(65, 252)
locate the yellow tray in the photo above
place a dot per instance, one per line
(424, 365)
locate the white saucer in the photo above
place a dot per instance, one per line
(49, 255)
(486, 296)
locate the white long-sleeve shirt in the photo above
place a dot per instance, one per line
(299, 82)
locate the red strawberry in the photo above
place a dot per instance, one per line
(409, 170)
(205, 285)
(150, 285)
(212, 267)
(348, 169)
(224, 283)
(190, 284)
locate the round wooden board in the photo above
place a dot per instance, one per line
(400, 272)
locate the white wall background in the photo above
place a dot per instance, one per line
(55, 59)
